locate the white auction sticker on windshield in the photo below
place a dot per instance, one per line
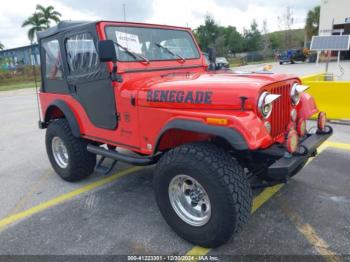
(129, 41)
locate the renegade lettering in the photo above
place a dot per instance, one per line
(174, 96)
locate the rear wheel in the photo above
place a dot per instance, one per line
(68, 154)
(203, 193)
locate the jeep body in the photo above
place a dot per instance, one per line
(147, 89)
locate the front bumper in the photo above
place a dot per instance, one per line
(286, 164)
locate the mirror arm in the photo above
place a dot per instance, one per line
(212, 67)
(114, 75)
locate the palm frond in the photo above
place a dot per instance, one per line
(48, 14)
(37, 23)
(40, 8)
(55, 13)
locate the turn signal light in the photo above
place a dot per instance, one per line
(292, 141)
(217, 121)
(321, 121)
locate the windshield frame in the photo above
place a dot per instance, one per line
(199, 56)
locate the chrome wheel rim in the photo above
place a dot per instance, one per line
(59, 152)
(189, 200)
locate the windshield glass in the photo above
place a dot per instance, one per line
(152, 43)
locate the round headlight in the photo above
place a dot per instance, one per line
(267, 109)
(294, 94)
(264, 108)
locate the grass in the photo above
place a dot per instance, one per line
(17, 85)
(237, 62)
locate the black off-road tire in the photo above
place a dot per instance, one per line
(81, 163)
(224, 181)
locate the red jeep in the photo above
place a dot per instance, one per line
(148, 89)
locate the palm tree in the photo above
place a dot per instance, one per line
(48, 14)
(37, 24)
(312, 22)
(1, 46)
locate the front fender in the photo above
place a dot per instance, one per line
(307, 106)
(232, 136)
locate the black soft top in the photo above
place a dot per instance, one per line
(62, 27)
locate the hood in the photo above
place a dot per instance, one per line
(207, 90)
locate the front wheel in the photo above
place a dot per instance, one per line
(68, 154)
(203, 193)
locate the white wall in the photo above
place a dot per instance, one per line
(337, 9)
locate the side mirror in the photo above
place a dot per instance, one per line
(212, 55)
(106, 51)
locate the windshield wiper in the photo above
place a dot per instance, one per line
(133, 54)
(170, 52)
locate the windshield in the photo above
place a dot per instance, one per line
(152, 43)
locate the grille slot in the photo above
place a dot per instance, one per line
(280, 117)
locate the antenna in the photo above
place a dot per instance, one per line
(32, 56)
(124, 13)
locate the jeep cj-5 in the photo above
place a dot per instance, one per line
(148, 89)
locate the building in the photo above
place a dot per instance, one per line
(335, 14)
(25, 55)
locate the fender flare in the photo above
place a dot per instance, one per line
(232, 136)
(68, 113)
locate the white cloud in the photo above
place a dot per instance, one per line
(237, 13)
(190, 13)
(11, 18)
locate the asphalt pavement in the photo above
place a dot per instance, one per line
(117, 214)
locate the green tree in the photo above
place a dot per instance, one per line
(252, 37)
(276, 40)
(37, 24)
(1, 46)
(206, 34)
(48, 14)
(233, 40)
(312, 22)
(219, 45)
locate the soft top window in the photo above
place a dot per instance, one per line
(152, 43)
(81, 53)
(53, 60)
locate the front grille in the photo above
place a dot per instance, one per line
(280, 117)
